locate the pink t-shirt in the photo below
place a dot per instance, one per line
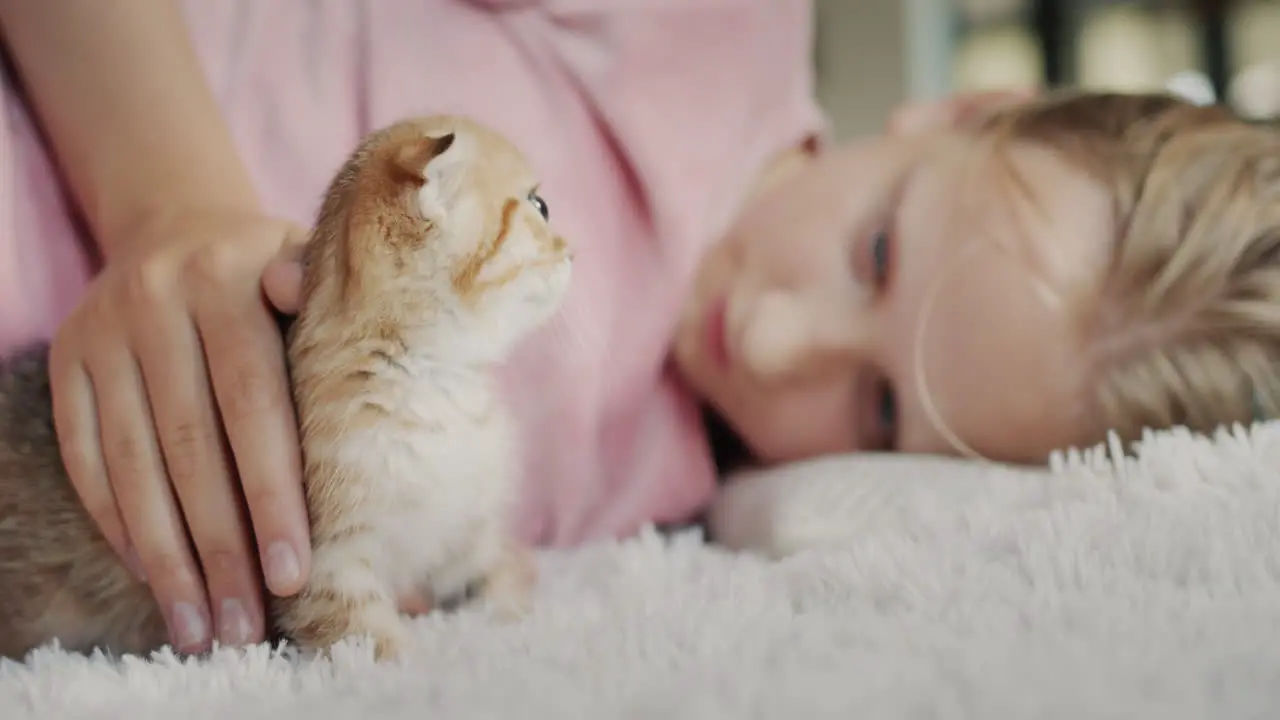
(646, 119)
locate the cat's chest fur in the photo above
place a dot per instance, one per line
(439, 463)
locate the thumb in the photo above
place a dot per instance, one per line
(282, 277)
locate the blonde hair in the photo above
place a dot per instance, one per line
(1187, 330)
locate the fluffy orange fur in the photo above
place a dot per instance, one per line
(370, 311)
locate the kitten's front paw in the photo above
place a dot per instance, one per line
(319, 617)
(416, 604)
(388, 646)
(507, 590)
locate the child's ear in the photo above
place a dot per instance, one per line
(417, 159)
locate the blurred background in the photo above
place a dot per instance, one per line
(872, 55)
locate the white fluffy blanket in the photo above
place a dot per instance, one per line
(1147, 588)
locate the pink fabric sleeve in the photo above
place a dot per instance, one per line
(45, 259)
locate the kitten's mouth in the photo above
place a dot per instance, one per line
(547, 291)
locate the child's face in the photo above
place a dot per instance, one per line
(804, 325)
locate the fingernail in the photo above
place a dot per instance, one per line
(188, 626)
(282, 565)
(234, 627)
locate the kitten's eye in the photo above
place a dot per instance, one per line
(539, 204)
(880, 247)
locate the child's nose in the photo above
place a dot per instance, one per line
(789, 336)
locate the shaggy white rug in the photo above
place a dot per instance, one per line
(930, 589)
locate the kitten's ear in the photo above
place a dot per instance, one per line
(414, 157)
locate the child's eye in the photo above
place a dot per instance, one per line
(887, 414)
(540, 204)
(880, 247)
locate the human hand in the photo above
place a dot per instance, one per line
(174, 415)
(282, 280)
(956, 111)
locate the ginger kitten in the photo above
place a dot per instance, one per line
(431, 259)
